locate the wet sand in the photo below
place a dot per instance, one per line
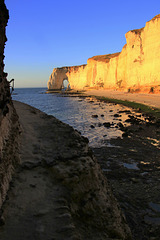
(132, 166)
(144, 98)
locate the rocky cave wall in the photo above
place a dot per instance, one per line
(136, 66)
(9, 126)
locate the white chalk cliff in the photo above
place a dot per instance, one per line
(136, 66)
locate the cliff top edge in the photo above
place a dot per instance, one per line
(107, 57)
(138, 31)
(77, 66)
(104, 58)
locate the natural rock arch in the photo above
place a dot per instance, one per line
(136, 67)
(77, 77)
(57, 77)
(66, 84)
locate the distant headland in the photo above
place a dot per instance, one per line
(135, 68)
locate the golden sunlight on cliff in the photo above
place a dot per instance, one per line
(135, 68)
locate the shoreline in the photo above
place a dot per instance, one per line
(131, 167)
(49, 195)
(144, 102)
(152, 100)
(148, 99)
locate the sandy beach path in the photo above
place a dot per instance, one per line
(144, 98)
(35, 208)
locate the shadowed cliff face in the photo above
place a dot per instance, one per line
(59, 191)
(136, 67)
(9, 126)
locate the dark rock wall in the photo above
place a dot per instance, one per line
(9, 126)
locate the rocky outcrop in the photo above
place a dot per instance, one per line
(94, 209)
(77, 76)
(135, 67)
(9, 126)
(59, 191)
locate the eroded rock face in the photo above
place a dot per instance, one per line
(136, 67)
(77, 76)
(59, 190)
(93, 207)
(57, 77)
(9, 126)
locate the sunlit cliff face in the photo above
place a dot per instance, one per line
(135, 68)
(76, 76)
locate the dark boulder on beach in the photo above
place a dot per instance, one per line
(107, 124)
(95, 116)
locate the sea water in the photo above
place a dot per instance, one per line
(84, 114)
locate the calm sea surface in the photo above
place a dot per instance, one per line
(77, 112)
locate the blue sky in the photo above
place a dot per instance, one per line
(44, 34)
